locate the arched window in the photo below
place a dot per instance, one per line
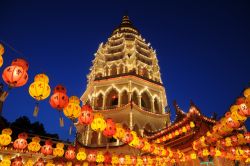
(145, 101)
(112, 99)
(156, 106)
(106, 71)
(99, 101)
(145, 72)
(124, 98)
(113, 70)
(135, 98)
(121, 69)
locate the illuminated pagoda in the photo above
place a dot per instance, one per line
(125, 84)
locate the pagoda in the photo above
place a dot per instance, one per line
(125, 84)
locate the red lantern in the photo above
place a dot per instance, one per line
(21, 142)
(59, 100)
(110, 129)
(107, 158)
(234, 140)
(152, 148)
(121, 159)
(133, 160)
(144, 159)
(230, 122)
(47, 148)
(70, 154)
(91, 156)
(212, 151)
(243, 110)
(16, 74)
(86, 116)
(18, 161)
(39, 162)
(247, 137)
(128, 137)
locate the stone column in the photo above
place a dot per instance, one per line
(129, 96)
(104, 102)
(118, 70)
(152, 105)
(119, 99)
(99, 139)
(139, 101)
(87, 136)
(109, 71)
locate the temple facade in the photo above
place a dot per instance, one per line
(125, 84)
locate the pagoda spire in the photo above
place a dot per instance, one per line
(126, 26)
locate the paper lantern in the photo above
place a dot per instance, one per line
(121, 159)
(98, 124)
(120, 132)
(59, 100)
(39, 89)
(91, 156)
(86, 116)
(99, 157)
(70, 154)
(58, 151)
(39, 162)
(128, 137)
(243, 109)
(5, 160)
(115, 159)
(17, 161)
(1, 54)
(16, 74)
(231, 122)
(5, 137)
(72, 110)
(110, 129)
(107, 158)
(34, 145)
(81, 155)
(21, 142)
(47, 148)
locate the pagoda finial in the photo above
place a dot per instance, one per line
(126, 21)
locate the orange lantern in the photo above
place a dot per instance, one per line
(121, 159)
(39, 162)
(59, 100)
(70, 154)
(86, 116)
(98, 124)
(17, 161)
(110, 129)
(34, 145)
(128, 137)
(107, 158)
(47, 148)
(1, 53)
(21, 142)
(91, 156)
(243, 109)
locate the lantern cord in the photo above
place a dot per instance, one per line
(61, 121)
(12, 48)
(36, 110)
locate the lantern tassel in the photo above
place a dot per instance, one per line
(36, 110)
(61, 121)
(70, 130)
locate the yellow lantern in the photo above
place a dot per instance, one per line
(81, 155)
(34, 145)
(58, 151)
(72, 110)
(128, 160)
(99, 157)
(135, 142)
(115, 159)
(30, 162)
(192, 125)
(217, 152)
(193, 156)
(85, 163)
(5, 137)
(39, 90)
(120, 132)
(1, 53)
(98, 124)
(247, 96)
(6, 161)
(50, 163)
(184, 129)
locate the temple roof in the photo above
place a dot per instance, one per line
(126, 26)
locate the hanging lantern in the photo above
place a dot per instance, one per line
(72, 110)
(247, 96)
(86, 116)
(193, 156)
(128, 160)
(231, 122)
(99, 157)
(81, 155)
(5, 160)
(59, 100)
(115, 159)
(39, 162)
(70, 154)
(133, 160)
(15, 76)
(120, 132)
(192, 125)
(58, 151)
(5, 137)
(1, 54)
(91, 156)
(110, 129)
(17, 161)
(21, 142)
(107, 158)
(128, 137)
(39, 90)
(243, 109)
(135, 141)
(50, 163)
(47, 148)
(34, 145)
(121, 159)
(98, 124)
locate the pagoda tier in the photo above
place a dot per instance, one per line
(186, 128)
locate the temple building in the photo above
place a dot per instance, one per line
(125, 84)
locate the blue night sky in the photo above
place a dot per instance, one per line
(203, 48)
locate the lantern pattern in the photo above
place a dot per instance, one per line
(81, 155)
(99, 157)
(39, 162)
(17, 161)
(86, 116)
(30, 162)
(58, 151)
(34, 145)
(47, 148)
(21, 142)
(128, 137)
(5, 137)
(98, 124)
(39, 90)
(91, 156)
(110, 129)
(70, 154)
(6, 161)
(16, 74)
(59, 100)
(243, 109)
(1, 54)
(107, 158)
(120, 132)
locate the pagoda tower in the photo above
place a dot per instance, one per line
(125, 84)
